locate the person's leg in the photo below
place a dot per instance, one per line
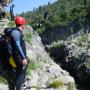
(20, 75)
(11, 78)
(11, 81)
(19, 78)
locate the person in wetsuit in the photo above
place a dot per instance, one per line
(19, 51)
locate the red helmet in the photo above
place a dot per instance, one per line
(20, 20)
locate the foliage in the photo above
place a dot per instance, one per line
(83, 38)
(57, 44)
(28, 36)
(11, 24)
(32, 66)
(41, 30)
(59, 13)
(2, 80)
(56, 84)
(71, 86)
(88, 44)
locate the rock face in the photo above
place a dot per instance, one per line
(48, 72)
(3, 24)
(73, 55)
(3, 3)
(79, 58)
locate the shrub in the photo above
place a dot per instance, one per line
(56, 44)
(2, 80)
(11, 24)
(32, 66)
(56, 84)
(71, 86)
(28, 36)
(83, 38)
(41, 30)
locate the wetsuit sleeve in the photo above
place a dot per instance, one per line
(16, 36)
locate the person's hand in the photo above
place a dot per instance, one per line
(24, 62)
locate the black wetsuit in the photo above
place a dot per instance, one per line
(18, 54)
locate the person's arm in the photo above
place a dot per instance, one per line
(16, 36)
(20, 49)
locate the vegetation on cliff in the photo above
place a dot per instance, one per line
(59, 13)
